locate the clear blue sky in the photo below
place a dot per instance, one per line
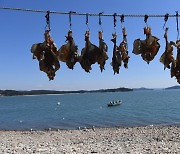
(19, 30)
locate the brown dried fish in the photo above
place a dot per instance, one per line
(90, 54)
(69, 52)
(167, 57)
(46, 53)
(148, 48)
(117, 58)
(103, 52)
(123, 47)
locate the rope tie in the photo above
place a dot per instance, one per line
(87, 15)
(122, 21)
(177, 24)
(100, 21)
(165, 19)
(114, 17)
(146, 18)
(48, 20)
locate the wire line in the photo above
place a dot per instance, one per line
(83, 14)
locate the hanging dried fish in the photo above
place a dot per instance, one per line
(148, 48)
(89, 54)
(38, 51)
(124, 49)
(50, 43)
(175, 67)
(46, 53)
(178, 54)
(69, 52)
(103, 52)
(117, 58)
(167, 57)
(50, 63)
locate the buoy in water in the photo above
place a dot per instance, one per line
(20, 121)
(58, 103)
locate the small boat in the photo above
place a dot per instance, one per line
(114, 103)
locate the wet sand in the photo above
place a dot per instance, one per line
(151, 139)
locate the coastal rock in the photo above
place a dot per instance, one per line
(156, 139)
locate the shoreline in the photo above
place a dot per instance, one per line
(88, 128)
(148, 139)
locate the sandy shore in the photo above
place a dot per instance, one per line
(156, 139)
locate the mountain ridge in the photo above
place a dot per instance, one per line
(173, 87)
(44, 92)
(142, 88)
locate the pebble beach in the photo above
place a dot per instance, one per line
(150, 139)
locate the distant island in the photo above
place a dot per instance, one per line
(142, 88)
(43, 92)
(173, 87)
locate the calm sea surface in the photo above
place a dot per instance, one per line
(71, 111)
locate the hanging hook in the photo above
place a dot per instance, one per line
(70, 22)
(100, 22)
(114, 17)
(145, 19)
(48, 20)
(165, 19)
(87, 15)
(177, 24)
(122, 20)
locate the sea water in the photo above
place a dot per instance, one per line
(87, 110)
